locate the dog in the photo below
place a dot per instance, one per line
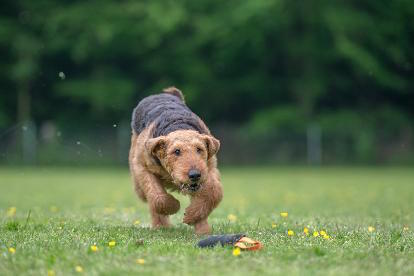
(173, 150)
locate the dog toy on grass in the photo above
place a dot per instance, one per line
(237, 240)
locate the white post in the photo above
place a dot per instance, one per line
(314, 144)
(123, 141)
(29, 142)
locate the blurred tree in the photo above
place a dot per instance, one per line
(263, 64)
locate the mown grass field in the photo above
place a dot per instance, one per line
(73, 209)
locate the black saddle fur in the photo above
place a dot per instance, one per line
(168, 112)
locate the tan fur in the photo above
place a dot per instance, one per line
(174, 91)
(155, 169)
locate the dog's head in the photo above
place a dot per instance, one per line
(184, 154)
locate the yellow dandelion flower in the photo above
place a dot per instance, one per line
(78, 269)
(51, 273)
(137, 222)
(284, 214)
(236, 251)
(11, 212)
(326, 237)
(94, 248)
(323, 233)
(274, 225)
(140, 261)
(371, 229)
(231, 217)
(306, 231)
(12, 250)
(53, 209)
(316, 234)
(291, 233)
(111, 243)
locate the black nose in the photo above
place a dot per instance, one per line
(194, 174)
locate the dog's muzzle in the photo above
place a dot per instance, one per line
(192, 187)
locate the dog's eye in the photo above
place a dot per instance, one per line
(177, 152)
(199, 150)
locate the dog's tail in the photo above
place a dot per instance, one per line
(174, 91)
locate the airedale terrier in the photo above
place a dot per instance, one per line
(172, 149)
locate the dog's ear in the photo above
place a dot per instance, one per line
(156, 147)
(213, 145)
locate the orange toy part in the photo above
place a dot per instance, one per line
(246, 243)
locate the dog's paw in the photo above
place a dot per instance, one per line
(202, 228)
(166, 205)
(189, 220)
(192, 216)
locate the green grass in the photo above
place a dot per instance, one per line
(71, 209)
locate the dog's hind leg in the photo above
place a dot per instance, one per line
(159, 220)
(138, 190)
(133, 168)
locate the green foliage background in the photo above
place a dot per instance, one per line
(267, 67)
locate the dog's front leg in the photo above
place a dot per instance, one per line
(161, 203)
(203, 203)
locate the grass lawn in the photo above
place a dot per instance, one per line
(73, 209)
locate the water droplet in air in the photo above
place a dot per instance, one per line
(78, 143)
(115, 125)
(62, 75)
